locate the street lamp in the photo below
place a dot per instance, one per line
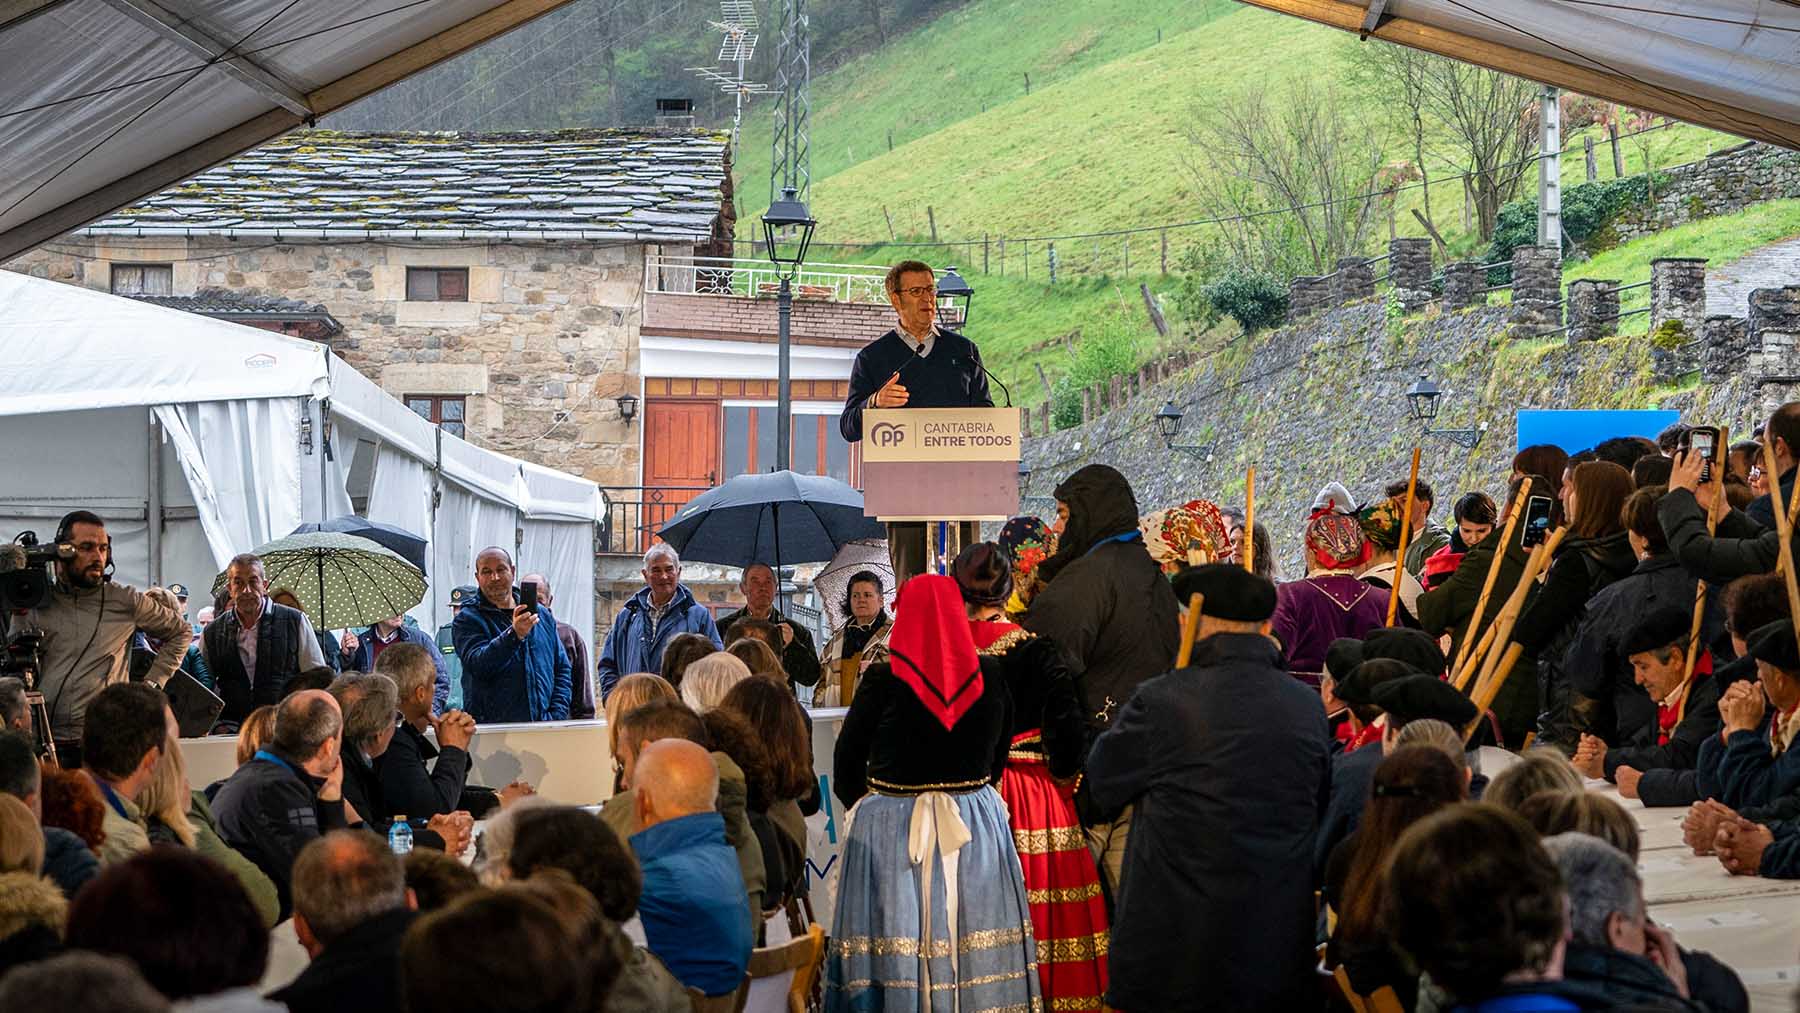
(788, 229)
(1168, 426)
(1422, 405)
(955, 292)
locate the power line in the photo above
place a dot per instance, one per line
(1223, 219)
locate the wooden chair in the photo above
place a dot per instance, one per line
(1382, 1000)
(731, 1002)
(781, 977)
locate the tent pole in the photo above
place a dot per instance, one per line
(153, 503)
(780, 588)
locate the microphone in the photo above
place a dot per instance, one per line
(990, 375)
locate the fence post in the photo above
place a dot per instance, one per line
(1726, 343)
(984, 253)
(1593, 309)
(1409, 272)
(1537, 288)
(1463, 284)
(1087, 404)
(1127, 256)
(1044, 418)
(1052, 259)
(1165, 252)
(1354, 279)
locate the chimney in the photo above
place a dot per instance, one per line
(675, 113)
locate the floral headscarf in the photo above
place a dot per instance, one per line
(1027, 542)
(1191, 534)
(1381, 523)
(1334, 537)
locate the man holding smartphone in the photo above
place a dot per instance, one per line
(514, 667)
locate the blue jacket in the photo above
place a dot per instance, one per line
(695, 913)
(1749, 776)
(505, 678)
(633, 646)
(364, 659)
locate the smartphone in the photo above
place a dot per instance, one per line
(1537, 521)
(528, 594)
(1703, 440)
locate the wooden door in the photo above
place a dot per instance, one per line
(681, 459)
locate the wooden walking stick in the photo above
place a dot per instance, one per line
(1189, 627)
(1508, 616)
(1785, 531)
(1487, 587)
(1712, 525)
(1484, 697)
(1412, 484)
(1250, 520)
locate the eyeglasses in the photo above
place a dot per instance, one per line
(919, 291)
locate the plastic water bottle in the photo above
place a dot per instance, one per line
(400, 836)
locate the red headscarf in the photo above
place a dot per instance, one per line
(931, 649)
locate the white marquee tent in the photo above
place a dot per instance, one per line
(138, 412)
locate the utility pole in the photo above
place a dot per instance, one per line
(790, 162)
(1549, 231)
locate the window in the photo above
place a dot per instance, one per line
(143, 279)
(818, 447)
(445, 410)
(437, 284)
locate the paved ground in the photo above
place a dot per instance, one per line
(1728, 286)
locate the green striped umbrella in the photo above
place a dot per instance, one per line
(341, 580)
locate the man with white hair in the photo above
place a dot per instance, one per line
(513, 667)
(1614, 948)
(652, 618)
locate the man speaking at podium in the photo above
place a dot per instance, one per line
(915, 365)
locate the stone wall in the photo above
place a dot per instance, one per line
(548, 337)
(1323, 401)
(1724, 182)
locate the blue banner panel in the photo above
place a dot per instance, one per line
(1581, 430)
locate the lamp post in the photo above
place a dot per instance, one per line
(956, 293)
(1422, 406)
(788, 229)
(1168, 425)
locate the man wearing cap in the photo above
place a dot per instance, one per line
(459, 596)
(1752, 758)
(1208, 916)
(1417, 697)
(1353, 770)
(1687, 706)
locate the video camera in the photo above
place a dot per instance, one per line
(25, 570)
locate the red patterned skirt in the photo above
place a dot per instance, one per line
(1068, 915)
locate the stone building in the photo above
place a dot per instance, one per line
(492, 282)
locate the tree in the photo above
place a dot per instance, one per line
(1295, 168)
(1486, 121)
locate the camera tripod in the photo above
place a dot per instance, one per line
(23, 658)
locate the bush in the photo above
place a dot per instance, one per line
(1588, 211)
(1254, 300)
(1109, 346)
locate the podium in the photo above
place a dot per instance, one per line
(934, 466)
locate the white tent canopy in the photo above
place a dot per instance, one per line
(108, 403)
(105, 101)
(1727, 64)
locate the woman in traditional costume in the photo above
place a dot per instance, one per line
(1329, 602)
(858, 644)
(932, 912)
(1049, 743)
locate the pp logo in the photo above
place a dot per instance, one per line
(888, 434)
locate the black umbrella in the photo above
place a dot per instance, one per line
(404, 543)
(779, 518)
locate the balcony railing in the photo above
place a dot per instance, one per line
(755, 279)
(635, 512)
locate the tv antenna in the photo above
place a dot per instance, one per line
(737, 23)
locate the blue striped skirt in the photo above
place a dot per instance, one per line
(890, 946)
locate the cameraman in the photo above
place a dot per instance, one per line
(87, 625)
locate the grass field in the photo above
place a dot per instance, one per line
(1100, 143)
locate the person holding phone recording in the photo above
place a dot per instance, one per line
(514, 667)
(1448, 608)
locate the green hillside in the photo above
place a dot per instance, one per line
(1101, 143)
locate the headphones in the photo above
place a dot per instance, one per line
(74, 517)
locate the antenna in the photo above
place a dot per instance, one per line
(737, 24)
(790, 163)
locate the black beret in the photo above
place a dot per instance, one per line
(1775, 644)
(1231, 592)
(1658, 628)
(1415, 647)
(1416, 697)
(1359, 686)
(1344, 654)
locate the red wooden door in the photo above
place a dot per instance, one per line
(681, 449)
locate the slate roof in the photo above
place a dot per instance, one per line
(657, 186)
(228, 305)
